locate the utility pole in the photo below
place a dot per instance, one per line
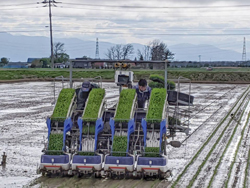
(51, 3)
(244, 51)
(97, 50)
(166, 74)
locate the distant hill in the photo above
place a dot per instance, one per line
(20, 48)
(190, 52)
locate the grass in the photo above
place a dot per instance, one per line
(241, 74)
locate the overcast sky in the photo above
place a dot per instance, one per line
(220, 23)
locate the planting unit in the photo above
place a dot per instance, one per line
(123, 140)
(87, 160)
(121, 160)
(154, 127)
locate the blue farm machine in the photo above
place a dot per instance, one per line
(86, 138)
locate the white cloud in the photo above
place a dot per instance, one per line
(125, 24)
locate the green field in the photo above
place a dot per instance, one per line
(237, 74)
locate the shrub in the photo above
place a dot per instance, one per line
(94, 103)
(55, 144)
(119, 145)
(125, 105)
(159, 82)
(62, 104)
(156, 105)
(171, 85)
(157, 78)
(156, 85)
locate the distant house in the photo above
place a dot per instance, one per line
(16, 65)
(81, 63)
(30, 60)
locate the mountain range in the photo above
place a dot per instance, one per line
(20, 48)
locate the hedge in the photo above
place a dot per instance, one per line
(155, 85)
(159, 82)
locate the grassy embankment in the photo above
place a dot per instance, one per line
(195, 74)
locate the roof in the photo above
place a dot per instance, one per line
(32, 59)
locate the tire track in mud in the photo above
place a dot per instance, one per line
(198, 159)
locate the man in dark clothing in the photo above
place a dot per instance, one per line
(143, 92)
(83, 95)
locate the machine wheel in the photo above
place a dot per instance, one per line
(161, 176)
(98, 175)
(61, 174)
(79, 175)
(49, 174)
(143, 176)
(126, 175)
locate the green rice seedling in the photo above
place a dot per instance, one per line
(125, 105)
(55, 144)
(152, 152)
(156, 105)
(62, 104)
(94, 102)
(119, 145)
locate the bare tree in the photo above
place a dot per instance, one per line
(120, 51)
(145, 52)
(127, 50)
(111, 53)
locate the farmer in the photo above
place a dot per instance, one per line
(143, 92)
(83, 95)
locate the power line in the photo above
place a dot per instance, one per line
(20, 8)
(149, 34)
(10, 5)
(137, 11)
(157, 7)
(128, 27)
